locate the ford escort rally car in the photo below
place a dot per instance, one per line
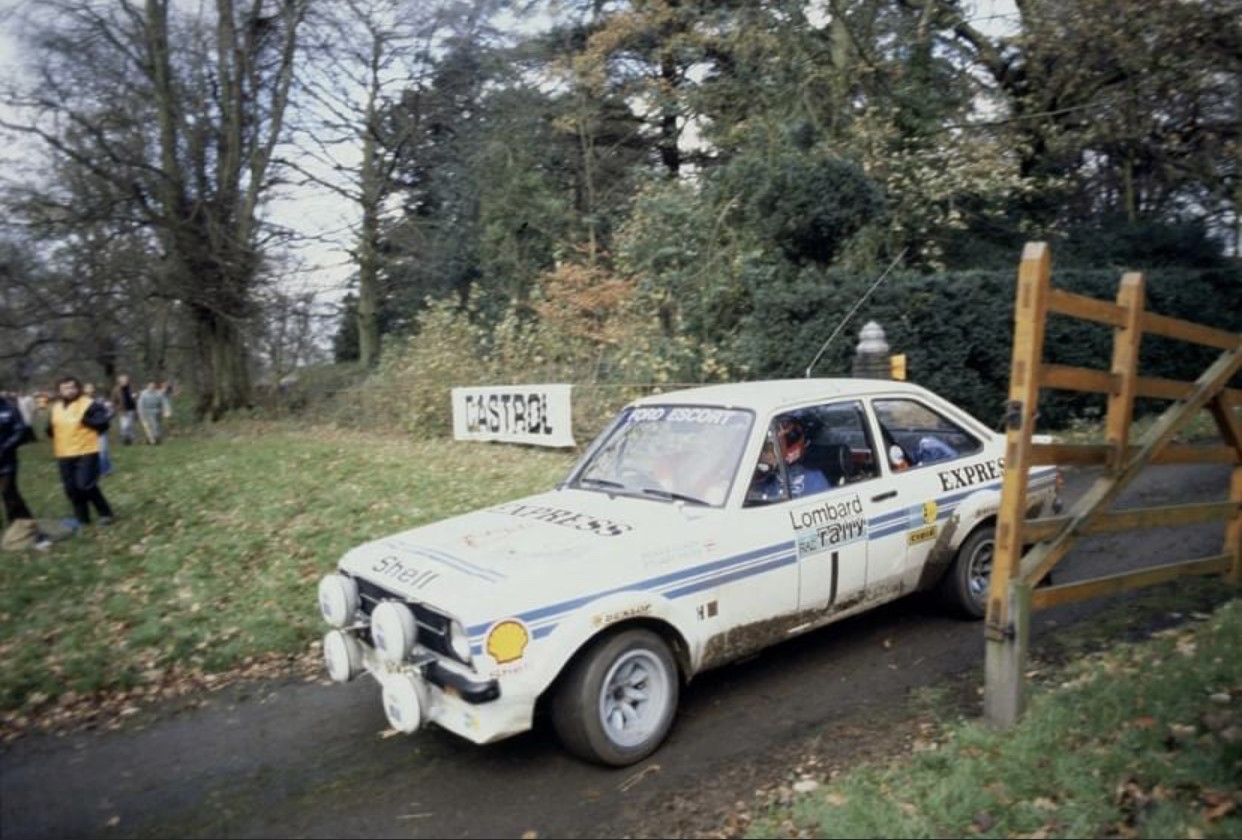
(699, 527)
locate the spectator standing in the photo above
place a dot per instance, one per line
(126, 403)
(20, 528)
(105, 457)
(152, 407)
(170, 390)
(74, 427)
(13, 433)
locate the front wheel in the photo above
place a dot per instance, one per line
(616, 704)
(964, 586)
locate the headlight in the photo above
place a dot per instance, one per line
(338, 599)
(342, 655)
(403, 702)
(459, 642)
(394, 631)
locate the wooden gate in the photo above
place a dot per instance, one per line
(1012, 596)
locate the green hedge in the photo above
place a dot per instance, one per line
(956, 329)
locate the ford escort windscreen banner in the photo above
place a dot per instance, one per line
(532, 414)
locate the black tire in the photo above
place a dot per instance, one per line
(964, 587)
(591, 723)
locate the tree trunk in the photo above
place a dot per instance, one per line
(368, 290)
(208, 217)
(222, 345)
(670, 151)
(587, 146)
(840, 54)
(368, 245)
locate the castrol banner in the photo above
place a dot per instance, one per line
(538, 415)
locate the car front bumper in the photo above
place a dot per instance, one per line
(477, 710)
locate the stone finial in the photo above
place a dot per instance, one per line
(871, 340)
(871, 355)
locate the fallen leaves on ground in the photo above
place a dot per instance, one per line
(109, 709)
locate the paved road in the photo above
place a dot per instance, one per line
(308, 760)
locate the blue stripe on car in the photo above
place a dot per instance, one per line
(651, 583)
(730, 569)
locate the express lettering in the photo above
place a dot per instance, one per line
(508, 413)
(564, 518)
(971, 474)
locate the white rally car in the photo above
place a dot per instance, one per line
(701, 526)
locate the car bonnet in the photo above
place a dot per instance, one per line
(517, 556)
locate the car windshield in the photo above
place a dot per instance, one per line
(669, 452)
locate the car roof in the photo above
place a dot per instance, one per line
(773, 394)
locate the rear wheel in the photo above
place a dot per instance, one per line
(965, 586)
(617, 703)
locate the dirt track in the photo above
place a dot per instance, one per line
(308, 760)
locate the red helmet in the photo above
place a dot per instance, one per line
(792, 438)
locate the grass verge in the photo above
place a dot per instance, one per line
(220, 540)
(1138, 740)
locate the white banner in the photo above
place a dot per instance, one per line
(533, 414)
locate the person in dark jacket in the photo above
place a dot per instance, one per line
(125, 402)
(13, 433)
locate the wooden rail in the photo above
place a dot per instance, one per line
(1071, 454)
(1016, 571)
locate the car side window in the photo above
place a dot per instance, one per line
(916, 435)
(812, 450)
(840, 443)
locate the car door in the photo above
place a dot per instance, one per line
(815, 491)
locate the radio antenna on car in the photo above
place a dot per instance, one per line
(850, 314)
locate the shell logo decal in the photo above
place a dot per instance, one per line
(507, 641)
(930, 509)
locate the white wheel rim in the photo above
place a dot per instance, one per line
(634, 698)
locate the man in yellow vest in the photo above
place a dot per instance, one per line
(74, 428)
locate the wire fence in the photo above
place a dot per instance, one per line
(369, 406)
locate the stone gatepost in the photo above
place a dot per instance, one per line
(871, 355)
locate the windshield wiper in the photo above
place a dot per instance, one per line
(671, 496)
(602, 482)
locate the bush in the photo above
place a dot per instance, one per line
(310, 392)
(956, 329)
(410, 390)
(603, 332)
(585, 325)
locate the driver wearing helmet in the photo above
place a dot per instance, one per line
(803, 481)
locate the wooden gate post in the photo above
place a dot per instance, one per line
(1009, 602)
(1005, 662)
